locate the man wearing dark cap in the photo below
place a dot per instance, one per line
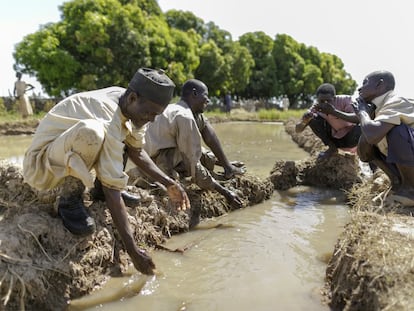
(91, 130)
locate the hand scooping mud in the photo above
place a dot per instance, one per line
(178, 197)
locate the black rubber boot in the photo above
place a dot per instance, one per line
(98, 195)
(129, 199)
(75, 217)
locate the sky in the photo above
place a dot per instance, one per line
(367, 35)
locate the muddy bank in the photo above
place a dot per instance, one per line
(43, 266)
(27, 127)
(372, 264)
(341, 171)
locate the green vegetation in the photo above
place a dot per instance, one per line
(9, 113)
(260, 115)
(99, 43)
(14, 117)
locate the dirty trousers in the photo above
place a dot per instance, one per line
(171, 161)
(77, 149)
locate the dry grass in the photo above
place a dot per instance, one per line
(372, 267)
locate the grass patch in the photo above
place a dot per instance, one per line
(260, 115)
(15, 117)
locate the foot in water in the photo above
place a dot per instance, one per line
(237, 168)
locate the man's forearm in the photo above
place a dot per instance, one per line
(350, 117)
(119, 216)
(147, 166)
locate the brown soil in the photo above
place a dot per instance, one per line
(42, 266)
(19, 128)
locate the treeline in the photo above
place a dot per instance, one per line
(99, 43)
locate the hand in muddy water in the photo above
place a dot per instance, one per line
(142, 261)
(178, 197)
(234, 200)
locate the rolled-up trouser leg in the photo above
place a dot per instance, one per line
(203, 178)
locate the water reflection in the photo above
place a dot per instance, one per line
(267, 257)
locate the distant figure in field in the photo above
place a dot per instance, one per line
(20, 89)
(285, 103)
(227, 103)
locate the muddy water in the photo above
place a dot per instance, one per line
(266, 257)
(12, 148)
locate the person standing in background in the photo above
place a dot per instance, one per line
(285, 103)
(227, 102)
(20, 89)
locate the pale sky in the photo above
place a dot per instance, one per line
(367, 35)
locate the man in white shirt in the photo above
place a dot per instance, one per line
(20, 89)
(90, 130)
(387, 140)
(173, 141)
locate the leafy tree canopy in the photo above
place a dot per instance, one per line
(99, 43)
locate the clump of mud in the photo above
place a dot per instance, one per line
(340, 171)
(372, 263)
(42, 265)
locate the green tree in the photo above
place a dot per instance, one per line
(100, 43)
(290, 68)
(185, 21)
(41, 55)
(240, 66)
(263, 82)
(212, 69)
(301, 69)
(333, 72)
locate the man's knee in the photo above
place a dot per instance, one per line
(365, 151)
(91, 132)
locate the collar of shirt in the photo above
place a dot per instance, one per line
(182, 103)
(382, 99)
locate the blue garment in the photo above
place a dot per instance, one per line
(401, 145)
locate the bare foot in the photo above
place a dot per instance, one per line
(328, 153)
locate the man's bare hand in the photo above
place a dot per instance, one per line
(178, 197)
(362, 105)
(234, 200)
(142, 261)
(325, 108)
